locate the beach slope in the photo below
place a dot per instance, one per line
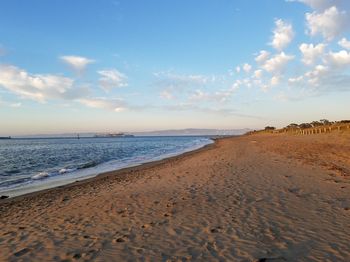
(248, 198)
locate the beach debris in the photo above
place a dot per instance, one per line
(21, 252)
(65, 198)
(266, 259)
(4, 197)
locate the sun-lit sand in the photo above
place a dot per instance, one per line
(252, 198)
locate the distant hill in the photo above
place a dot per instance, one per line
(194, 132)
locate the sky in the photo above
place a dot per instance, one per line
(131, 65)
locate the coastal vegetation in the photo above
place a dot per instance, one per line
(314, 127)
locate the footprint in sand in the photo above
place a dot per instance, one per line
(77, 256)
(121, 239)
(118, 240)
(66, 198)
(216, 230)
(146, 226)
(297, 191)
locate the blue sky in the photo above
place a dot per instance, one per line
(95, 66)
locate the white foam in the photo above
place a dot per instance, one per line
(41, 175)
(66, 170)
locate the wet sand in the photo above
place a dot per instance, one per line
(248, 198)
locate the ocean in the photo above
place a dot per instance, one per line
(28, 165)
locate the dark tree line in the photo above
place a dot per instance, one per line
(322, 122)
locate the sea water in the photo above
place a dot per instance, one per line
(28, 165)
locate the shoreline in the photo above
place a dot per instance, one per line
(246, 198)
(117, 172)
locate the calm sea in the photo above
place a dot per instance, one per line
(27, 165)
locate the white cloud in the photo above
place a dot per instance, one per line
(166, 94)
(266, 84)
(42, 88)
(262, 57)
(330, 24)
(277, 63)
(181, 80)
(247, 67)
(37, 87)
(275, 80)
(77, 63)
(295, 80)
(218, 96)
(116, 105)
(237, 84)
(317, 4)
(339, 59)
(321, 79)
(283, 34)
(222, 96)
(265, 88)
(199, 95)
(317, 74)
(258, 73)
(311, 53)
(112, 79)
(344, 43)
(172, 85)
(257, 82)
(320, 76)
(321, 5)
(16, 105)
(247, 82)
(238, 69)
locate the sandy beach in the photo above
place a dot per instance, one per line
(249, 198)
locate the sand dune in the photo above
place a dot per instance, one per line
(249, 198)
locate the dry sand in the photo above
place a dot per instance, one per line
(249, 198)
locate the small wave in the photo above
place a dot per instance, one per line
(66, 170)
(41, 175)
(14, 182)
(89, 164)
(13, 171)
